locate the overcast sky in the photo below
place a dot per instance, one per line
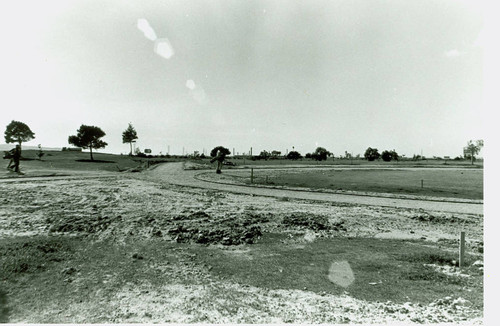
(345, 75)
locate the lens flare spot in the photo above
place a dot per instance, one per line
(143, 26)
(163, 48)
(190, 84)
(340, 273)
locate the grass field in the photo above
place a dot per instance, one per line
(360, 162)
(464, 183)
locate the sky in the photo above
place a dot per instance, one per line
(267, 75)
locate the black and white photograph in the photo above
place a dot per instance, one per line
(246, 162)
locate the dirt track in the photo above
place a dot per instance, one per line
(174, 173)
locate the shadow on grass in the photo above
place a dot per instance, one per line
(94, 161)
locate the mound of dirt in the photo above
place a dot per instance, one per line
(312, 222)
(237, 229)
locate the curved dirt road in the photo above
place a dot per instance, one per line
(174, 173)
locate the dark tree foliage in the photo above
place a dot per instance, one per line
(18, 132)
(320, 154)
(264, 155)
(372, 154)
(223, 150)
(294, 155)
(88, 137)
(129, 135)
(386, 156)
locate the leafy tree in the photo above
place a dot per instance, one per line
(320, 154)
(388, 156)
(473, 148)
(372, 154)
(224, 150)
(18, 132)
(129, 135)
(265, 155)
(293, 155)
(88, 137)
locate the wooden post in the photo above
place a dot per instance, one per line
(461, 256)
(251, 175)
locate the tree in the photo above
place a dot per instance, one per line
(293, 155)
(223, 150)
(264, 155)
(388, 156)
(129, 135)
(320, 154)
(372, 154)
(88, 137)
(473, 148)
(18, 132)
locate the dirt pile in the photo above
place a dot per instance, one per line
(234, 230)
(313, 222)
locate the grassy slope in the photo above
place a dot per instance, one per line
(80, 161)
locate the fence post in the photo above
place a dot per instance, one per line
(461, 256)
(422, 183)
(251, 175)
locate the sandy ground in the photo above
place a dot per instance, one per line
(141, 204)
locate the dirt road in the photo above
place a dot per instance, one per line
(174, 173)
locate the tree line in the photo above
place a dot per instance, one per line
(89, 137)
